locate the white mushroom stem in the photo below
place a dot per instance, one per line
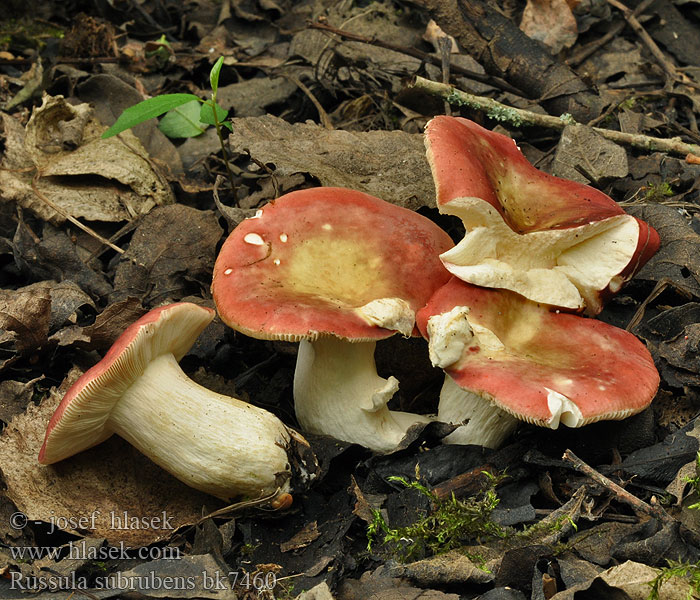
(338, 392)
(485, 423)
(214, 443)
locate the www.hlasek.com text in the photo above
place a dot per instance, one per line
(81, 550)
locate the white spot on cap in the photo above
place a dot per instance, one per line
(258, 214)
(276, 261)
(228, 271)
(327, 226)
(254, 238)
(283, 237)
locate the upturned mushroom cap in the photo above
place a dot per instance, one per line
(79, 420)
(552, 240)
(542, 367)
(328, 261)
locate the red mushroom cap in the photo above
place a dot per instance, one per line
(305, 264)
(605, 371)
(470, 162)
(84, 410)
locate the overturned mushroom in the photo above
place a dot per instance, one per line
(508, 358)
(553, 241)
(214, 443)
(336, 270)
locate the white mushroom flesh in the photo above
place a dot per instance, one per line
(338, 392)
(390, 313)
(563, 410)
(451, 333)
(562, 267)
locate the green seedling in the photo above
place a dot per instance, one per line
(449, 525)
(187, 115)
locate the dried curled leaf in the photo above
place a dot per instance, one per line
(106, 481)
(388, 164)
(71, 166)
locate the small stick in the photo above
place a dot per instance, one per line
(445, 45)
(665, 64)
(583, 54)
(620, 493)
(518, 117)
(464, 484)
(322, 114)
(424, 56)
(71, 218)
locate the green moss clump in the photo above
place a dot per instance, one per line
(448, 526)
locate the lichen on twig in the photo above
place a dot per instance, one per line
(517, 117)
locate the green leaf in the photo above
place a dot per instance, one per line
(183, 121)
(206, 113)
(214, 74)
(153, 107)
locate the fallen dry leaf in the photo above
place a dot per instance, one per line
(84, 175)
(55, 256)
(249, 98)
(632, 579)
(110, 96)
(171, 255)
(301, 538)
(14, 397)
(600, 159)
(388, 164)
(25, 314)
(673, 337)
(108, 326)
(551, 22)
(108, 481)
(678, 258)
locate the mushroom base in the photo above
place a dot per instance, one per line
(487, 424)
(337, 392)
(214, 443)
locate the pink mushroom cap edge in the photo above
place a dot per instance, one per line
(468, 160)
(365, 247)
(606, 371)
(107, 371)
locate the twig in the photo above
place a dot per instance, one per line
(584, 53)
(518, 117)
(415, 53)
(656, 52)
(445, 45)
(660, 287)
(322, 114)
(276, 500)
(620, 493)
(71, 218)
(465, 484)
(128, 228)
